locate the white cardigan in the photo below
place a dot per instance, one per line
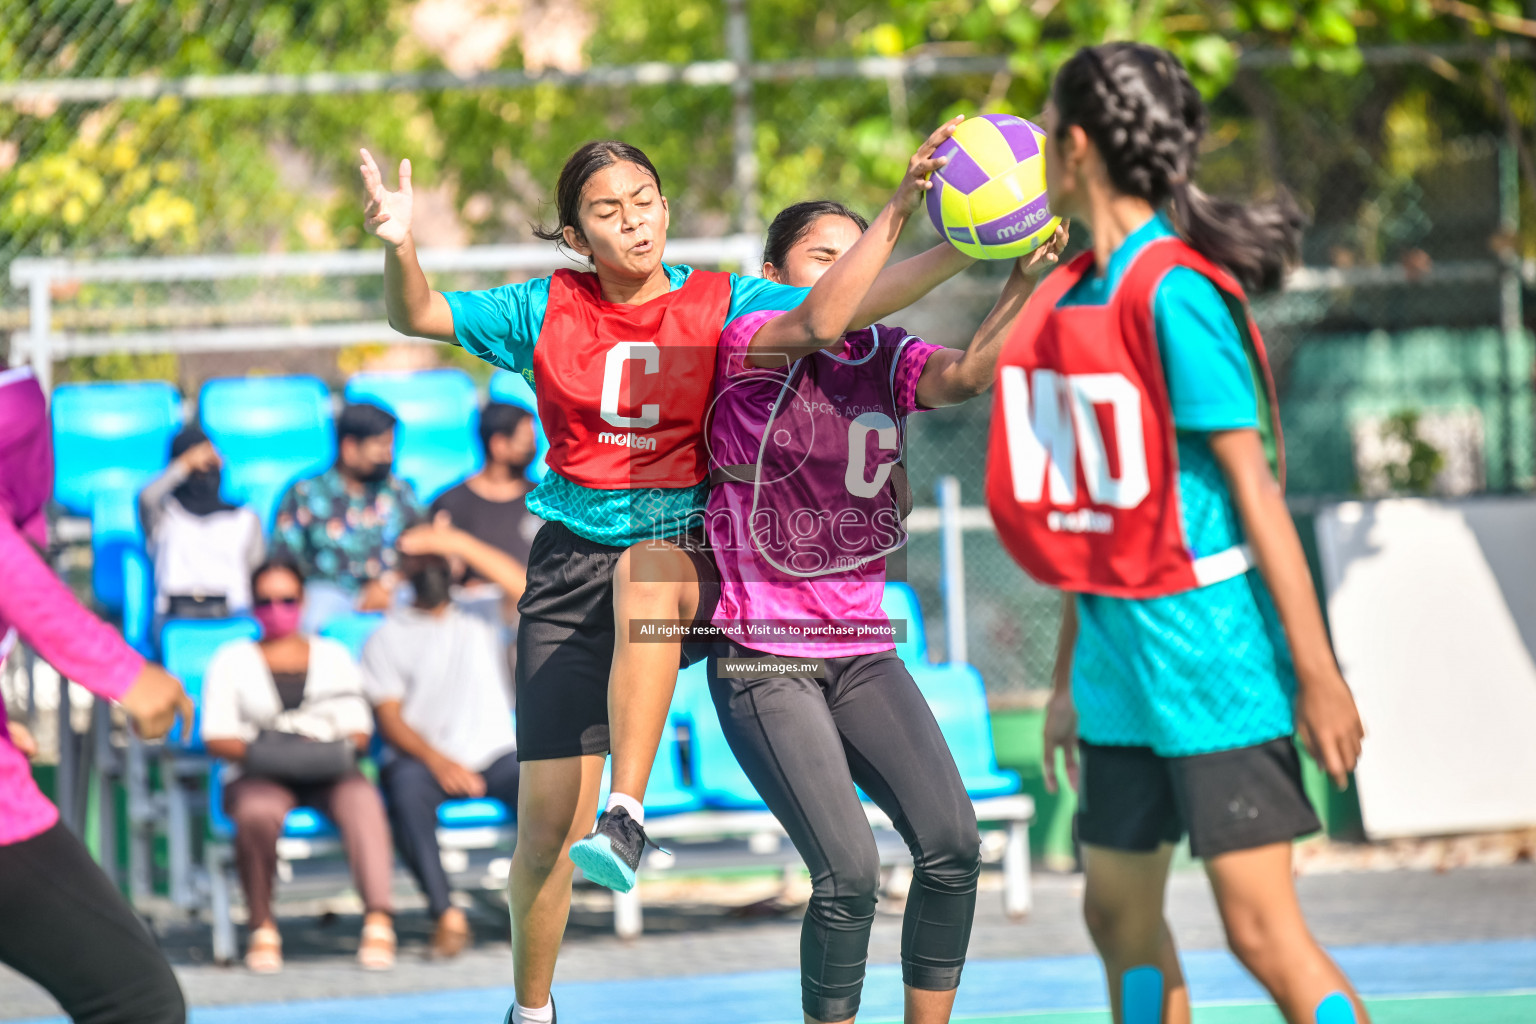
(240, 698)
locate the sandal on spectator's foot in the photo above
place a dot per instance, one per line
(452, 934)
(376, 949)
(264, 954)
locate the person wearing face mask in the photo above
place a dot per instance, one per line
(288, 716)
(340, 527)
(203, 547)
(62, 921)
(442, 698)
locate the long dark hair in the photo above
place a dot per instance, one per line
(794, 221)
(1146, 118)
(578, 170)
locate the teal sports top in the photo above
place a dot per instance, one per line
(502, 326)
(1207, 669)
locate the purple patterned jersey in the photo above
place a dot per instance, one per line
(813, 505)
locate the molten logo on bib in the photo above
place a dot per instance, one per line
(1084, 520)
(645, 444)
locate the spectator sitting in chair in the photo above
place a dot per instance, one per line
(442, 700)
(341, 526)
(203, 547)
(489, 505)
(288, 715)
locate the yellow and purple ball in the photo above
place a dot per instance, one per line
(989, 201)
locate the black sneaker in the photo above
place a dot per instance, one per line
(610, 854)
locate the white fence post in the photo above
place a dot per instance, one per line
(39, 333)
(953, 554)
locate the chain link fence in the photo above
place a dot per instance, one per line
(1394, 372)
(1396, 359)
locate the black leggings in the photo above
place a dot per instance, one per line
(804, 743)
(63, 925)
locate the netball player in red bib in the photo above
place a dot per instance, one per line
(622, 360)
(1136, 463)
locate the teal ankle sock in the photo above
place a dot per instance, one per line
(1336, 1009)
(1141, 996)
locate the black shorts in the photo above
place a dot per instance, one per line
(1131, 799)
(565, 637)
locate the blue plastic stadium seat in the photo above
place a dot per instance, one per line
(512, 389)
(717, 776)
(186, 646)
(479, 813)
(138, 601)
(271, 432)
(666, 792)
(900, 605)
(116, 537)
(109, 441)
(959, 701)
(307, 823)
(436, 444)
(110, 438)
(353, 630)
(301, 822)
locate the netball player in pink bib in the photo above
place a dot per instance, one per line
(808, 498)
(62, 921)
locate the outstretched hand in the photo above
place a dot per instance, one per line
(386, 214)
(916, 183)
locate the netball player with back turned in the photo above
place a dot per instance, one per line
(1136, 464)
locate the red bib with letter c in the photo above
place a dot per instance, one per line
(623, 390)
(1082, 467)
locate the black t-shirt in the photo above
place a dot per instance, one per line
(290, 688)
(507, 525)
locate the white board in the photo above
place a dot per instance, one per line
(1432, 605)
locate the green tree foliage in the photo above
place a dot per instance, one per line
(1421, 461)
(175, 175)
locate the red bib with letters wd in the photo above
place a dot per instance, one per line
(623, 390)
(1082, 467)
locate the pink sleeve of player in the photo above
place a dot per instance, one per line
(913, 359)
(75, 642)
(738, 334)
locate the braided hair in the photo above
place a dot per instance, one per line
(1146, 119)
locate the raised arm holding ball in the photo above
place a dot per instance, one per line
(829, 453)
(622, 359)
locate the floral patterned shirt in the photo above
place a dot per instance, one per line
(341, 536)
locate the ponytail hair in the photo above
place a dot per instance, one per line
(578, 170)
(1145, 117)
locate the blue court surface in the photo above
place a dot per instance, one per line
(1474, 982)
